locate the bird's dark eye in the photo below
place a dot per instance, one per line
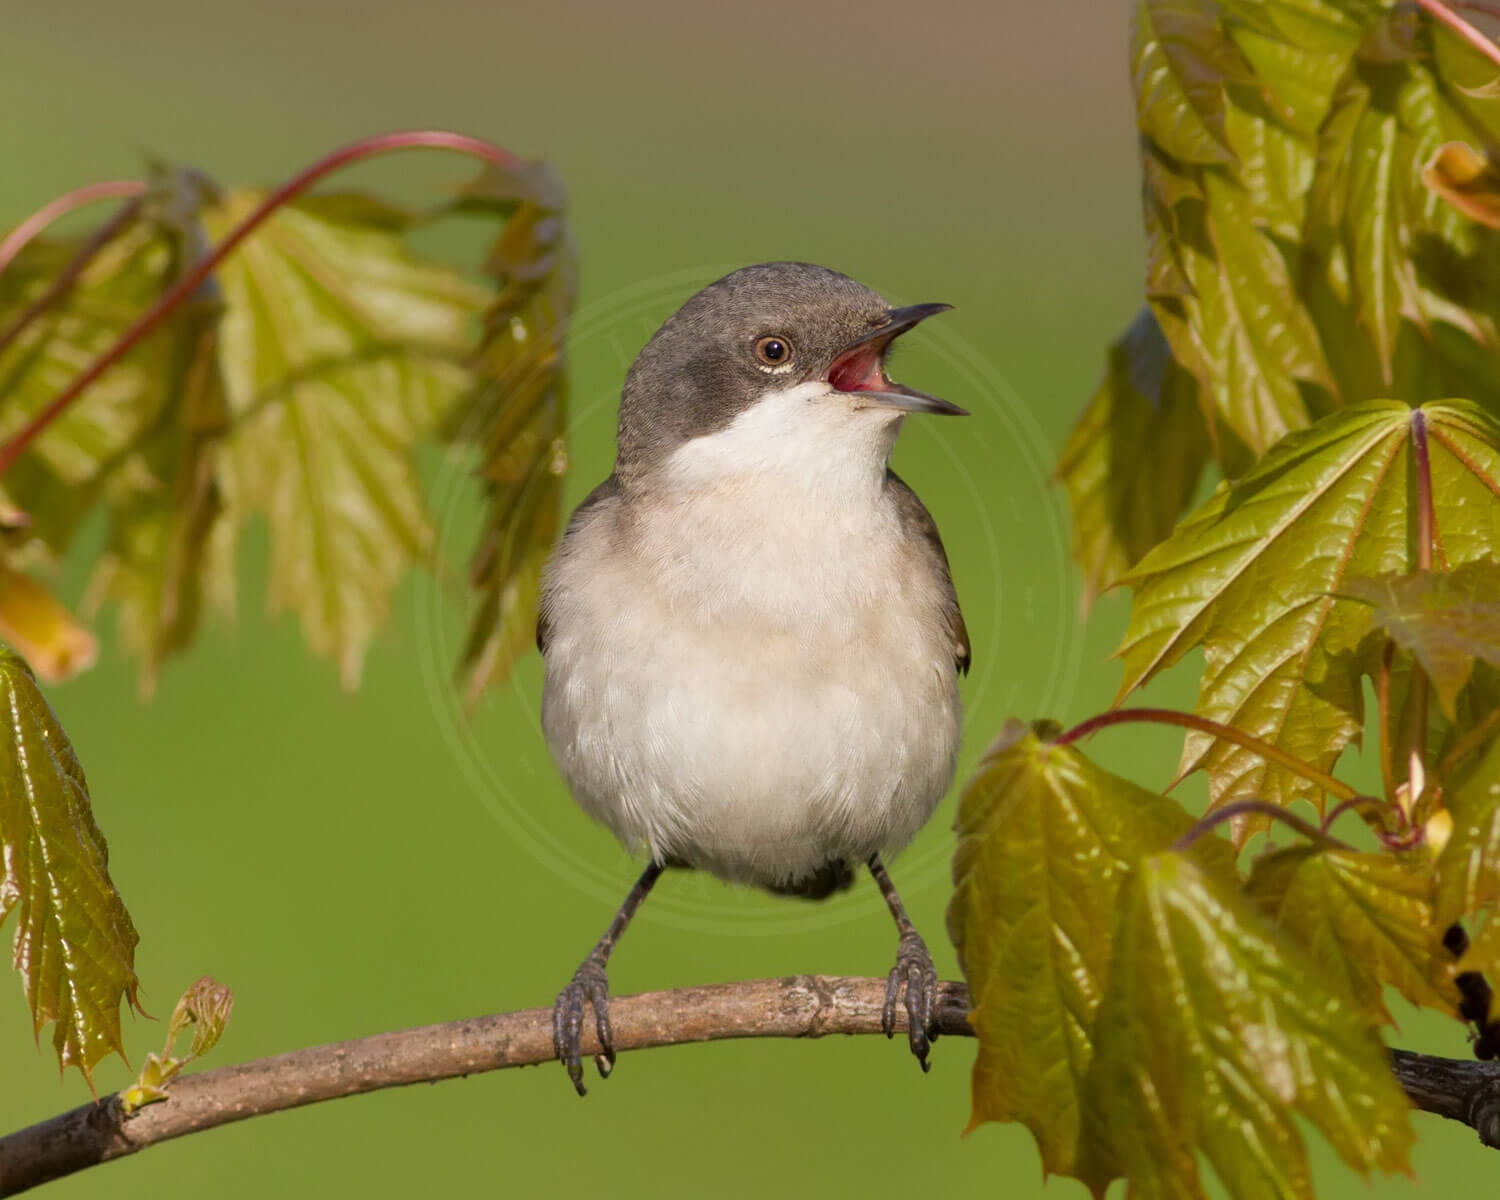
(773, 351)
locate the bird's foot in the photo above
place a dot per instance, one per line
(589, 984)
(914, 970)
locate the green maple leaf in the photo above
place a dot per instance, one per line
(1453, 744)
(1225, 294)
(1468, 868)
(1393, 262)
(120, 281)
(339, 352)
(1239, 326)
(1363, 198)
(161, 521)
(296, 385)
(1275, 154)
(1367, 918)
(165, 500)
(1180, 67)
(74, 943)
(1045, 842)
(58, 480)
(1329, 26)
(1133, 460)
(1304, 262)
(1213, 1036)
(1454, 739)
(1445, 619)
(1298, 57)
(1169, 192)
(1254, 578)
(141, 440)
(516, 413)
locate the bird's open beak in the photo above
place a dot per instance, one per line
(859, 368)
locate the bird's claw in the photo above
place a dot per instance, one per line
(589, 984)
(914, 970)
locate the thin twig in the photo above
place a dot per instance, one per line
(188, 283)
(19, 237)
(1479, 736)
(801, 1006)
(1439, 11)
(68, 276)
(1262, 808)
(1406, 838)
(1169, 716)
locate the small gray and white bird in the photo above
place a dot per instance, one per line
(751, 636)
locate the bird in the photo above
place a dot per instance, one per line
(750, 632)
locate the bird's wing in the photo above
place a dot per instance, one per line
(606, 491)
(919, 523)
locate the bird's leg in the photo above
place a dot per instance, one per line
(914, 969)
(590, 983)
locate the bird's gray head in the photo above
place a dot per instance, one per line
(782, 359)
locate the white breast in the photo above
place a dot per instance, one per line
(749, 673)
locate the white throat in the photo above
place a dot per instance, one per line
(778, 515)
(806, 437)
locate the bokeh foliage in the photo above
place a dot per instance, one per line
(294, 385)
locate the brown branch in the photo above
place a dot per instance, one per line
(1459, 1089)
(797, 1006)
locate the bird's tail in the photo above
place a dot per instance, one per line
(832, 877)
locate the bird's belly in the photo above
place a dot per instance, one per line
(757, 755)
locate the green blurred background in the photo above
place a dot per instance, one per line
(354, 864)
